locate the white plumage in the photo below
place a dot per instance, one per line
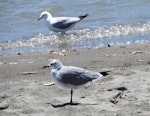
(60, 24)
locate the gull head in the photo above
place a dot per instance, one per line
(55, 64)
(44, 15)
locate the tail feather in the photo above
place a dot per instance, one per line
(105, 73)
(83, 16)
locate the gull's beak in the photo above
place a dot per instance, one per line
(39, 19)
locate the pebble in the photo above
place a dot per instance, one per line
(3, 105)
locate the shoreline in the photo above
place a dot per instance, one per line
(66, 45)
(24, 82)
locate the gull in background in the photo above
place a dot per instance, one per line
(72, 77)
(60, 24)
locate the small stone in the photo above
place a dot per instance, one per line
(109, 45)
(83, 97)
(4, 105)
(3, 96)
(49, 84)
(18, 53)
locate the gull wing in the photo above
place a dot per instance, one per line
(77, 76)
(65, 22)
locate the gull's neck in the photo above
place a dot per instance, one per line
(58, 67)
(49, 16)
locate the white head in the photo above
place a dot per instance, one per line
(45, 15)
(55, 64)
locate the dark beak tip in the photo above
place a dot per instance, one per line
(38, 19)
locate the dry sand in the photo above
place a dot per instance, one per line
(23, 89)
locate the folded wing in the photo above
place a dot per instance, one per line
(77, 76)
(64, 23)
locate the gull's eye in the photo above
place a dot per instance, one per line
(53, 64)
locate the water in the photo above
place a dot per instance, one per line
(115, 22)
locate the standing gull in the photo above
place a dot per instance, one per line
(60, 24)
(72, 77)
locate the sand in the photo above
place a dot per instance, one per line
(26, 88)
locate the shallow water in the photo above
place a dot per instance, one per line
(112, 22)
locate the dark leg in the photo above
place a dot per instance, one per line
(63, 33)
(71, 96)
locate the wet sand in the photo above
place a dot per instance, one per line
(25, 88)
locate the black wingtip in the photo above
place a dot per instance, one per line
(82, 17)
(86, 15)
(105, 73)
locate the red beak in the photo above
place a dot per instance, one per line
(39, 19)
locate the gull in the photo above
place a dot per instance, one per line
(72, 77)
(60, 24)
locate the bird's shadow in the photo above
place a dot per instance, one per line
(69, 104)
(63, 105)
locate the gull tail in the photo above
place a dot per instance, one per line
(105, 73)
(83, 16)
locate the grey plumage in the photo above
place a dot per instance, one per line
(70, 76)
(76, 76)
(60, 24)
(63, 24)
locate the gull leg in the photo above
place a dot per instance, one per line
(63, 33)
(71, 96)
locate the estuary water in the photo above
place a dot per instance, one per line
(114, 22)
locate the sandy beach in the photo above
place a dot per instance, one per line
(26, 88)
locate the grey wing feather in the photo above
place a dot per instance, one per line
(77, 76)
(63, 24)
